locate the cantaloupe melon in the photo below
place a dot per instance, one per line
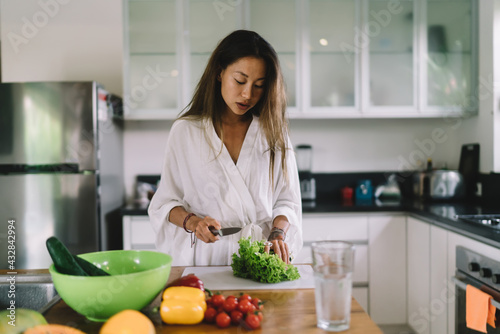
(17, 320)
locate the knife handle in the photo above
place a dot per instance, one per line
(214, 231)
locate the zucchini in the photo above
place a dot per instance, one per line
(90, 268)
(64, 262)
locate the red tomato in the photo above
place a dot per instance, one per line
(210, 315)
(230, 305)
(218, 300)
(258, 303)
(260, 315)
(252, 308)
(252, 321)
(245, 296)
(223, 320)
(244, 306)
(236, 317)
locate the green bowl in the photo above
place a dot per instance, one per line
(137, 277)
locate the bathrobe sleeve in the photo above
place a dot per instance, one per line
(287, 201)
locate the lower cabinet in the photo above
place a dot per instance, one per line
(431, 264)
(379, 276)
(418, 252)
(428, 279)
(387, 268)
(138, 233)
(440, 282)
(346, 227)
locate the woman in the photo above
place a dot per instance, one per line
(229, 161)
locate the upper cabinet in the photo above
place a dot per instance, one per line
(152, 75)
(340, 58)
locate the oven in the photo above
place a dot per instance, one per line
(481, 272)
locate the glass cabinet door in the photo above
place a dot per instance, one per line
(450, 53)
(209, 23)
(332, 51)
(152, 70)
(391, 31)
(275, 21)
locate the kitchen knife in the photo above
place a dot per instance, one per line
(225, 231)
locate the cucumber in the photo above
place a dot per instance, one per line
(90, 268)
(64, 262)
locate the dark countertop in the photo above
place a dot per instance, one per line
(441, 214)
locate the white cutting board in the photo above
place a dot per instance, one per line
(222, 278)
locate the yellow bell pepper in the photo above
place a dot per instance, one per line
(183, 305)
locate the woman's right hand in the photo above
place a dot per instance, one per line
(200, 228)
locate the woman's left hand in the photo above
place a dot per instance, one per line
(279, 247)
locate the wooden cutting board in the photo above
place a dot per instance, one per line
(222, 278)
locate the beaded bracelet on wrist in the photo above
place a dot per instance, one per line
(185, 222)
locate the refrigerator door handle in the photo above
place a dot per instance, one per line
(42, 168)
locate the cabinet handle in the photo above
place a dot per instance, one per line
(354, 242)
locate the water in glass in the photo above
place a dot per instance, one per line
(333, 291)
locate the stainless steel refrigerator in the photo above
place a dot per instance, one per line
(61, 170)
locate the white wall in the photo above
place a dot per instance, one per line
(61, 40)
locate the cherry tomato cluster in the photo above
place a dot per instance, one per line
(230, 310)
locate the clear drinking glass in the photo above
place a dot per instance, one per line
(333, 264)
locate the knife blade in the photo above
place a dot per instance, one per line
(224, 231)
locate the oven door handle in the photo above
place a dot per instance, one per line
(463, 286)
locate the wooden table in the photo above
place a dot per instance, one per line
(284, 311)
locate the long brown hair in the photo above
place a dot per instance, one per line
(207, 102)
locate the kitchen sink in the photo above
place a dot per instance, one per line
(35, 292)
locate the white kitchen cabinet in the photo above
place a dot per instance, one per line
(352, 228)
(391, 56)
(427, 277)
(138, 233)
(346, 227)
(431, 264)
(418, 250)
(387, 268)
(439, 281)
(261, 17)
(152, 84)
(451, 54)
(340, 59)
(206, 25)
(331, 82)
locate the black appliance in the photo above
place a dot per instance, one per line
(469, 167)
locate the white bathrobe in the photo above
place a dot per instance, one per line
(204, 180)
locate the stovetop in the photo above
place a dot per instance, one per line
(491, 221)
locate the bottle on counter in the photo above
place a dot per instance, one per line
(429, 164)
